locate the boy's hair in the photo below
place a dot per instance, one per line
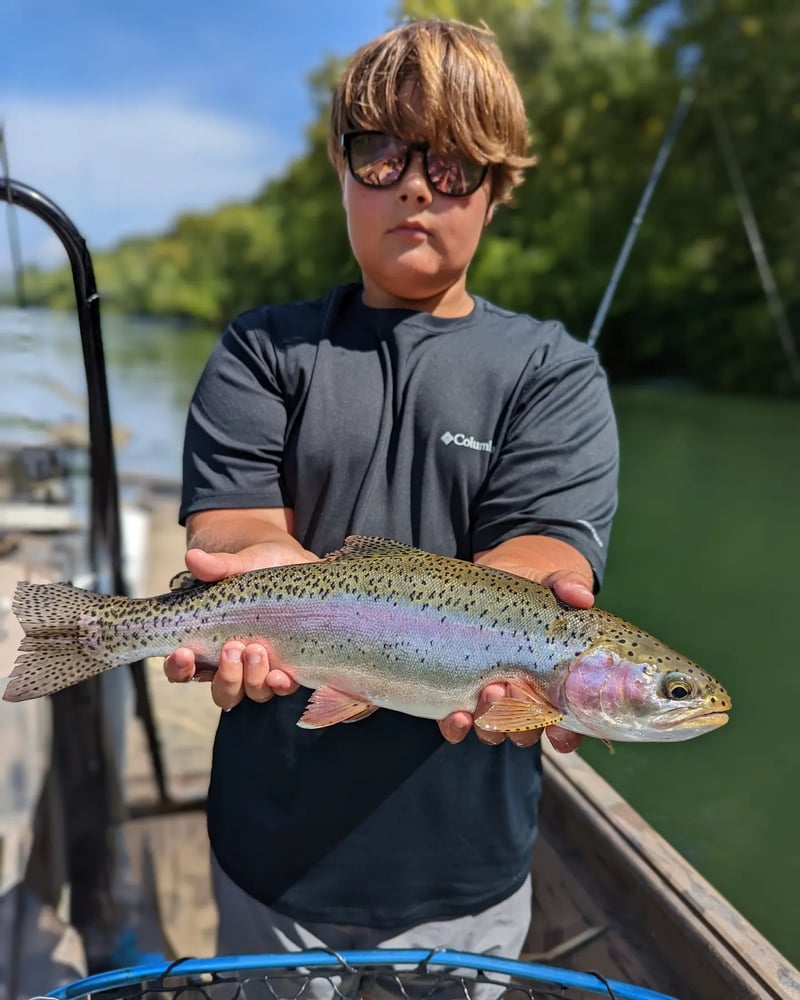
(466, 98)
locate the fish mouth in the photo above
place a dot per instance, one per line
(709, 720)
(713, 720)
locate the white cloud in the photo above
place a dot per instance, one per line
(119, 166)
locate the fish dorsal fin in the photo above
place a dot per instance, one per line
(367, 546)
(184, 581)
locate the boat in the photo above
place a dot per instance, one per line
(612, 898)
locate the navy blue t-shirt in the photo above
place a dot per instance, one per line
(450, 434)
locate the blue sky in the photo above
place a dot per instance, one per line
(128, 113)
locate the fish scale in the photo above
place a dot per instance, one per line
(379, 624)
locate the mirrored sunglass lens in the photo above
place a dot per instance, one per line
(454, 174)
(377, 160)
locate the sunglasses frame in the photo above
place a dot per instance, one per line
(346, 141)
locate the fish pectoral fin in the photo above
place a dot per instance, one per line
(510, 715)
(327, 706)
(525, 691)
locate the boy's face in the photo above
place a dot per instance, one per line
(413, 244)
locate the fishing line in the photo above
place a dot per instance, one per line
(765, 273)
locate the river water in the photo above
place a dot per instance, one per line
(705, 554)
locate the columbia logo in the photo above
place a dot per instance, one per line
(463, 441)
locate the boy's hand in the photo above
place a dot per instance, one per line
(243, 670)
(572, 588)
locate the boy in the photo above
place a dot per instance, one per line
(408, 408)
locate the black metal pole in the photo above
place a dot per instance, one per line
(105, 552)
(79, 741)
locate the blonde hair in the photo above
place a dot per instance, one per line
(468, 101)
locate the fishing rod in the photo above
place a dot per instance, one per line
(685, 101)
(768, 283)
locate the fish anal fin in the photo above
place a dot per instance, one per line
(513, 715)
(327, 706)
(367, 546)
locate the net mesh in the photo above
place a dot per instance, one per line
(340, 977)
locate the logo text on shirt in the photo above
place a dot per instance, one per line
(466, 441)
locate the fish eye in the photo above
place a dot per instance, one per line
(677, 687)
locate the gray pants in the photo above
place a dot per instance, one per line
(248, 927)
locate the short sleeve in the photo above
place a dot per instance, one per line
(233, 447)
(556, 469)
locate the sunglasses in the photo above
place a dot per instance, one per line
(379, 160)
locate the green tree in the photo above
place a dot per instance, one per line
(749, 81)
(600, 92)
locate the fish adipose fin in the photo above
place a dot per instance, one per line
(327, 706)
(366, 546)
(510, 715)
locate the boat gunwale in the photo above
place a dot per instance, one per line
(614, 838)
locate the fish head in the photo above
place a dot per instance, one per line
(640, 690)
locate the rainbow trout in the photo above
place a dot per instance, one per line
(379, 624)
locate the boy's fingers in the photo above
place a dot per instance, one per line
(456, 726)
(490, 694)
(212, 566)
(563, 740)
(227, 685)
(281, 683)
(526, 739)
(179, 666)
(256, 669)
(571, 588)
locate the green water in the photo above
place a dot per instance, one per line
(706, 554)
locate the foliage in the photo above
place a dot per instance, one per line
(749, 83)
(599, 92)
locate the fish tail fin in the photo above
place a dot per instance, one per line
(57, 649)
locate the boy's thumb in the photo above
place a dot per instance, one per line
(211, 566)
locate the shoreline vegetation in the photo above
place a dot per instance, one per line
(600, 89)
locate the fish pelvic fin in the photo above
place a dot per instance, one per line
(57, 649)
(327, 706)
(368, 546)
(511, 715)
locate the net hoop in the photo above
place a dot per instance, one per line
(439, 962)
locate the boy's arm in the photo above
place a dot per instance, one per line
(237, 540)
(548, 561)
